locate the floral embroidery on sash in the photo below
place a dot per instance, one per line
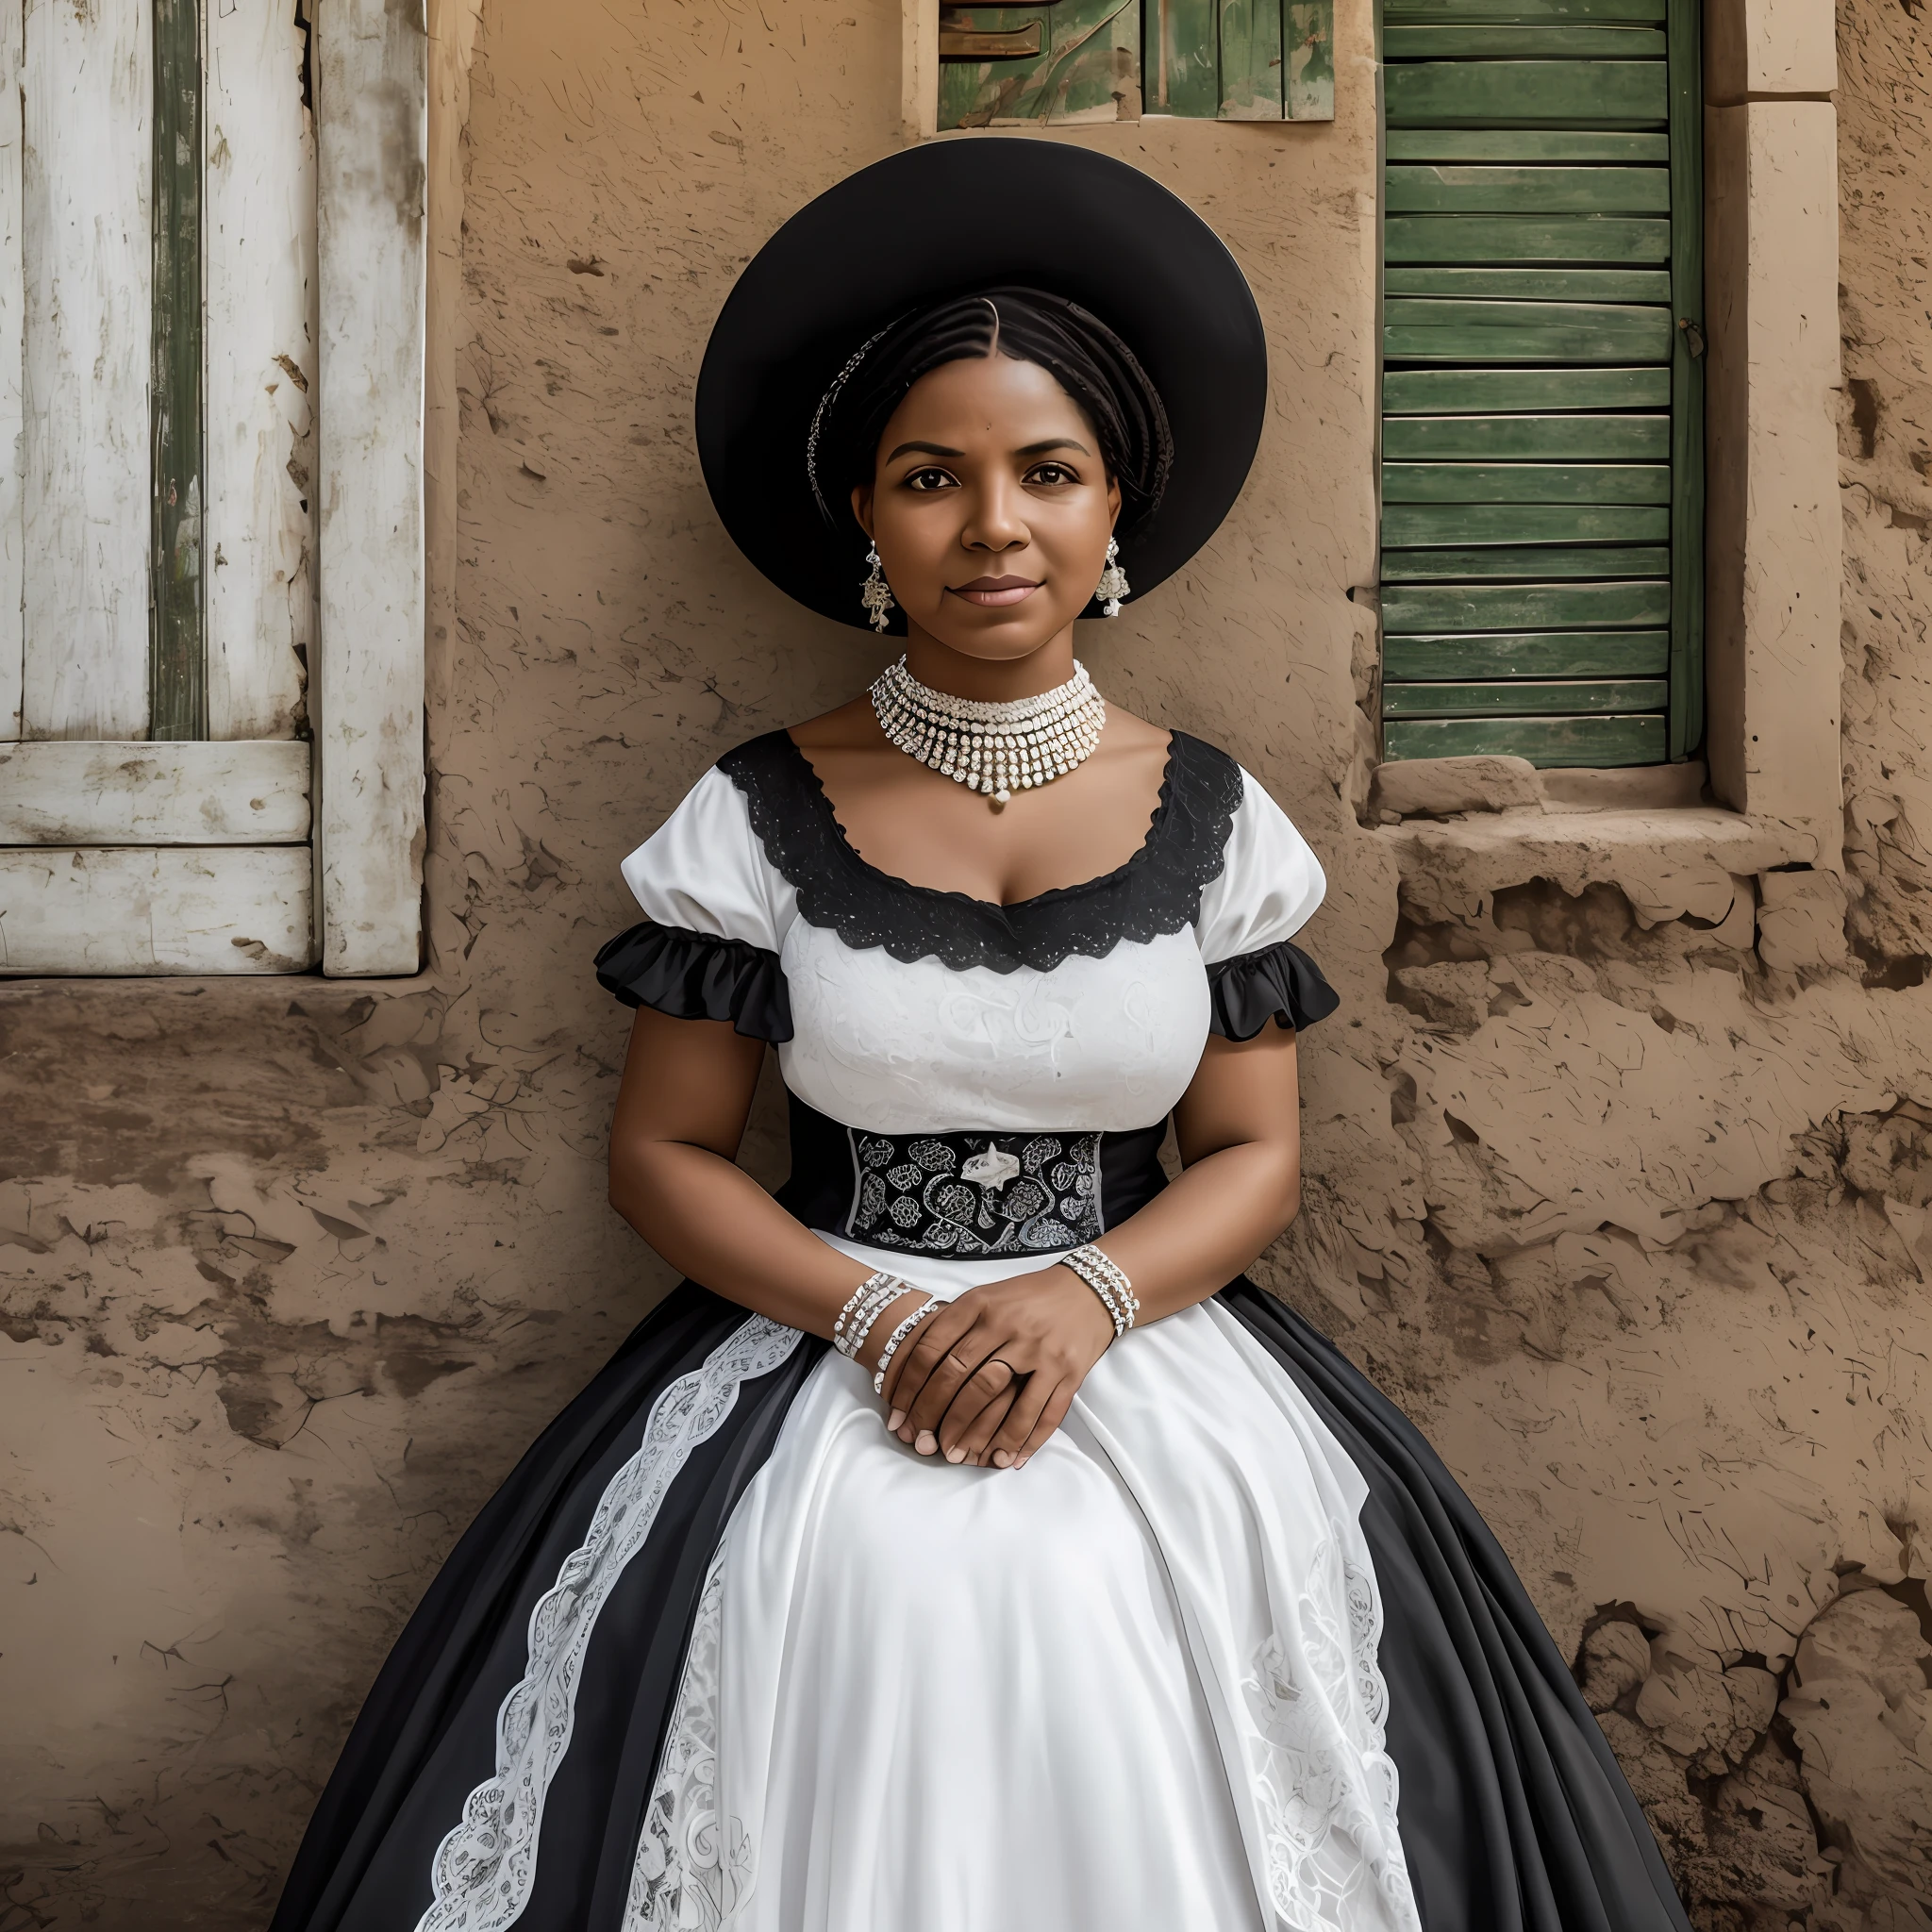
(973, 1194)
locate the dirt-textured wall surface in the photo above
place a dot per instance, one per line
(1620, 1153)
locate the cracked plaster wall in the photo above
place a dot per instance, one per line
(1620, 1162)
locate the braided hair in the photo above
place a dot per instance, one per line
(1085, 356)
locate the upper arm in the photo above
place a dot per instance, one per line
(1244, 1092)
(685, 1080)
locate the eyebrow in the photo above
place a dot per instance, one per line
(1031, 449)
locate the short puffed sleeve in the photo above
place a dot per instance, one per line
(715, 918)
(1268, 888)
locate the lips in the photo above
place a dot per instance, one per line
(994, 593)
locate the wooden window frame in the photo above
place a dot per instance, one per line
(184, 854)
(1774, 525)
(373, 154)
(1772, 537)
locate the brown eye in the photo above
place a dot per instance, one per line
(1051, 475)
(930, 479)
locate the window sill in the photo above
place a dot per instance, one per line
(1668, 862)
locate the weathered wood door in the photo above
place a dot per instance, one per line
(157, 371)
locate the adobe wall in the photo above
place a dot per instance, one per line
(1620, 1153)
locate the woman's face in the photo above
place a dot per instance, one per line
(990, 507)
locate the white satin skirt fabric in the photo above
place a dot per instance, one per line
(1133, 1685)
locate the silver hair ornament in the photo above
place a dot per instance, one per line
(818, 417)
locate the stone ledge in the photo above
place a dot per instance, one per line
(1666, 864)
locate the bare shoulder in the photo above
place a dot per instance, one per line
(1131, 733)
(1132, 747)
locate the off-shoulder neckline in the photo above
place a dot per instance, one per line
(1139, 857)
(1156, 890)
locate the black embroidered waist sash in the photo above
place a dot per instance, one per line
(968, 1194)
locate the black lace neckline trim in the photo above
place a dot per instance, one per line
(1158, 890)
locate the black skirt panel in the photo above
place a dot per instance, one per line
(1515, 1815)
(426, 1735)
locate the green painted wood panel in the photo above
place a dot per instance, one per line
(1598, 742)
(1525, 93)
(1526, 483)
(1522, 42)
(1522, 437)
(1451, 187)
(1525, 145)
(1495, 239)
(177, 652)
(1443, 11)
(1087, 68)
(1449, 331)
(1533, 284)
(1429, 609)
(1250, 61)
(1513, 698)
(1537, 211)
(1526, 561)
(1530, 653)
(1234, 59)
(1410, 525)
(1308, 49)
(1687, 377)
(1478, 392)
(1183, 58)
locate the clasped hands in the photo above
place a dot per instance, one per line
(987, 1379)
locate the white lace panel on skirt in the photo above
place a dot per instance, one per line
(691, 1867)
(1326, 1786)
(485, 1868)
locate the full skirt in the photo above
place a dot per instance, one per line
(1233, 1652)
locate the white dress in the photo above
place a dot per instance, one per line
(721, 1653)
(1137, 1681)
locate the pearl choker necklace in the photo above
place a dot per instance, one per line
(993, 748)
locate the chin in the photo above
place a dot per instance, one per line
(998, 644)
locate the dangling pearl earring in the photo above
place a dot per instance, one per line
(1114, 581)
(875, 593)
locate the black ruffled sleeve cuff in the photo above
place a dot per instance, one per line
(1280, 982)
(692, 975)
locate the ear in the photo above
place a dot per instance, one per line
(1113, 503)
(861, 505)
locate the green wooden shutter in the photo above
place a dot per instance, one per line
(1541, 396)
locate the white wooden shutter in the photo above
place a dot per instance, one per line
(137, 840)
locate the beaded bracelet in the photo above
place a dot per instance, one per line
(860, 1296)
(897, 1336)
(874, 1295)
(872, 1310)
(1108, 1280)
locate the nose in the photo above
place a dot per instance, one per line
(997, 520)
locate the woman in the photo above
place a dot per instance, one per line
(975, 1549)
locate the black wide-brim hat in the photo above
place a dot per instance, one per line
(942, 220)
